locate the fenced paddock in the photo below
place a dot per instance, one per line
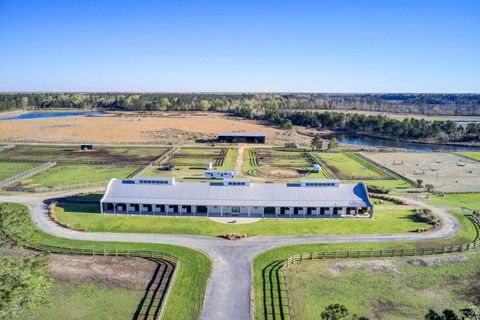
(62, 176)
(276, 288)
(158, 289)
(9, 169)
(74, 155)
(27, 173)
(189, 163)
(446, 172)
(282, 164)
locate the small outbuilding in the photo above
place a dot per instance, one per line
(219, 174)
(241, 137)
(86, 147)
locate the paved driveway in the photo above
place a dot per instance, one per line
(228, 293)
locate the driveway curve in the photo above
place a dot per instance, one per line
(229, 289)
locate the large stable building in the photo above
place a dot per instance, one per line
(245, 137)
(236, 197)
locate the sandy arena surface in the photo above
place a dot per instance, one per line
(455, 174)
(130, 272)
(175, 128)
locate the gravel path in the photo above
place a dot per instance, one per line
(229, 289)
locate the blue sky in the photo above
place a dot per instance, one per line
(232, 46)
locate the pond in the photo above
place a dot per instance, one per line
(41, 115)
(377, 142)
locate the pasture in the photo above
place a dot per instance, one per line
(471, 155)
(446, 172)
(278, 164)
(347, 167)
(62, 175)
(189, 163)
(8, 169)
(73, 154)
(163, 128)
(269, 293)
(186, 295)
(387, 288)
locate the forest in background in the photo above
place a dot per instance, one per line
(425, 104)
(303, 109)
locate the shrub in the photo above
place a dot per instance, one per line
(427, 216)
(377, 189)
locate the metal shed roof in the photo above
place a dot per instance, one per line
(241, 134)
(255, 194)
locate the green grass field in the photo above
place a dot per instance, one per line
(344, 166)
(87, 301)
(77, 174)
(110, 154)
(230, 160)
(385, 289)
(268, 281)
(472, 155)
(192, 169)
(9, 169)
(384, 221)
(186, 296)
(465, 200)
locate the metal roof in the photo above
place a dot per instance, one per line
(255, 194)
(241, 134)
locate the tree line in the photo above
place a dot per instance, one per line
(427, 104)
(378, 125)
(285, 110)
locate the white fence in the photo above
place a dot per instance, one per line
(26, 173)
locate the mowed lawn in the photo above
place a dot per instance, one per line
(385, 289)
(8, 169)
(77, 174)
(87, 301)
(345, 166)
(470, 154)
(384, 221)
(460, 200)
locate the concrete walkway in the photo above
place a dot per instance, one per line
(229, 289)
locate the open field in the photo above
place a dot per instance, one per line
(94, 287)
(384, 221)
(73, 154)
(8, 169)
(190, 163)
(269, 291)
(87, 301)
(471, 155)
(446, 172)
(465, 200)
(186, 297)
(388, 288)
(346, 167)
(76, 174)
(164, 128)
(277, 164)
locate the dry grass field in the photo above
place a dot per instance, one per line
(448, 172)
(135, 128)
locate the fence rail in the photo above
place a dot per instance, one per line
(386, 253)
(56, 188)
(89, 251)
(26, 173)
(91, 162)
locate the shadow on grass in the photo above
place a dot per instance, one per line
(156, 291)
(274, 298)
